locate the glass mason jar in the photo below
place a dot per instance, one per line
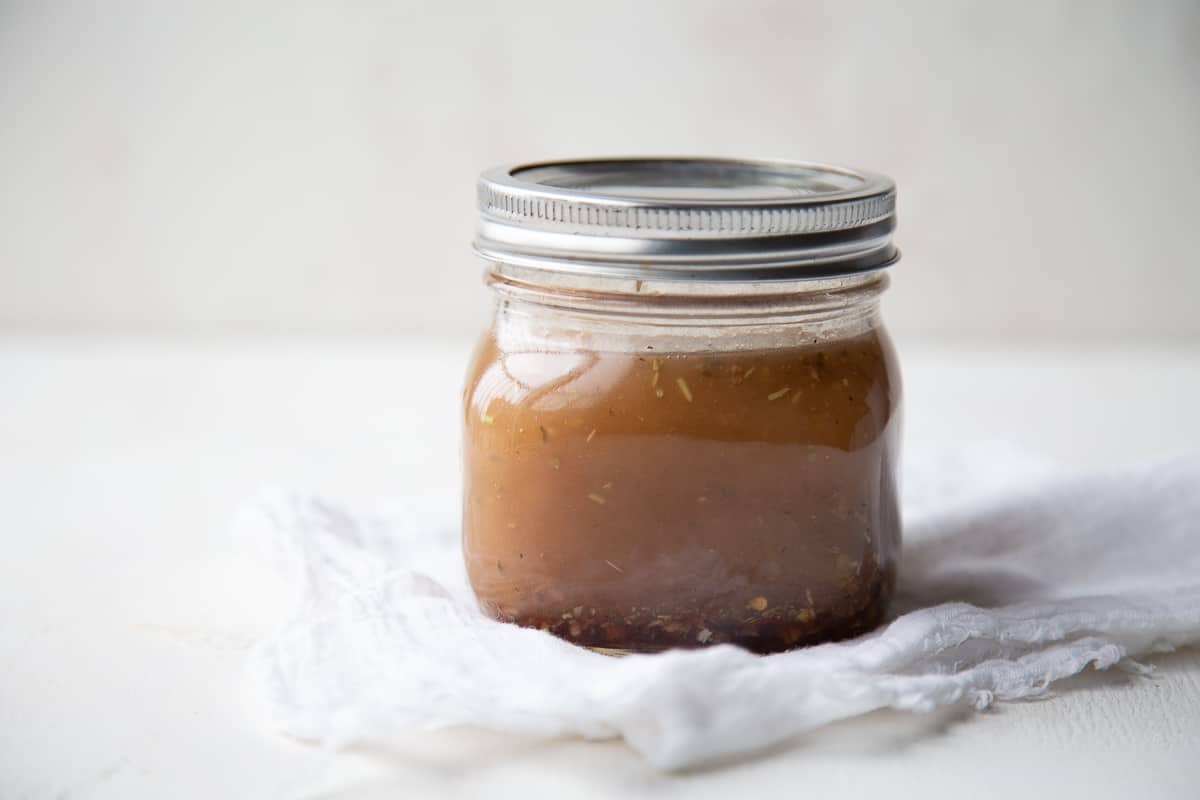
(682, 426)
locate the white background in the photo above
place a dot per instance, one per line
(309, 167)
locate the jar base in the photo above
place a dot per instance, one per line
(775, 632)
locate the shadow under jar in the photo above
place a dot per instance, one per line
(682, 426)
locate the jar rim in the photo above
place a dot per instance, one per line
(687, 218)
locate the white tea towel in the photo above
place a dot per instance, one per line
(1015, 574)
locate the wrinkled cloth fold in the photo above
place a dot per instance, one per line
(1016, 573)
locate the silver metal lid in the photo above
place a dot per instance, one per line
(687, 218)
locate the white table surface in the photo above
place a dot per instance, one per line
(125, 609)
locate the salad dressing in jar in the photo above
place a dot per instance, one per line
(681, 427)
